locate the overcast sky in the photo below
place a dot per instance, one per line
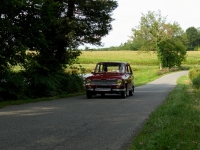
(127, 16)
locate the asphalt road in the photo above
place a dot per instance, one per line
(78, 123)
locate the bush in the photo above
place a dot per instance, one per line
(21, 85)
(12, 86)
(54, 84)
(194, 73)
(196, 82)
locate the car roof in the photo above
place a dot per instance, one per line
(113, 62)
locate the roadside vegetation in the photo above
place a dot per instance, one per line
(175, 124)
(144, 72)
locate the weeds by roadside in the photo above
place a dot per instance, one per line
(175, 124)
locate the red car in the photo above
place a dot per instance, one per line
(112, 78)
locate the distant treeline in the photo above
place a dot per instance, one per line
(192, 42)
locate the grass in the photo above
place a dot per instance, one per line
(133, 57)
(175, 124)
(145, 74)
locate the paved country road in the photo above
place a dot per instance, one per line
(78, 123)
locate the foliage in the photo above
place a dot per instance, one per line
(12, 49)
(194, 73)
(131, 45)
(172, 53)
(153, 31)
(12, 86)
(193, 36)
(196, 82)
(21, 85)
(52, 30)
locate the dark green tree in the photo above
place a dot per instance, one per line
(193, 38)
(43, 36)
(67, 24)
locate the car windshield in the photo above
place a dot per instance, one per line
(110, 68)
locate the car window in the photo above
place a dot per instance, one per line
(128, 69)
(110, 67)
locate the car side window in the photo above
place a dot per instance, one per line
(129, 69)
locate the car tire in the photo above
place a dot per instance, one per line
(124, 94)
(89, 94)
(131, 92)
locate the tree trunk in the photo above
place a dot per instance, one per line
(160, 66)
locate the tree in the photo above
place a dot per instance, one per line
(172, 52)
(153, 30)
(67, 24)
(54, 29)
(193, 37)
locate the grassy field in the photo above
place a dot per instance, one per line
(133, 57)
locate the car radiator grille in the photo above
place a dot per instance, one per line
(104, 82)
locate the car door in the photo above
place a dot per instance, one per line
(130, 77)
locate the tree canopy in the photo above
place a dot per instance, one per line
(53, 28)
(193, 36)
(154, 32)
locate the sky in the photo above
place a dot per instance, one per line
(129, 12)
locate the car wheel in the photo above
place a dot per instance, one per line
(89, 94)
(131, 92)
(124, 94)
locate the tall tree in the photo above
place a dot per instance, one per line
(54, 29)
(153, 30)
(67, 24)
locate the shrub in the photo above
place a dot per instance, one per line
(12, 86)
(194, 73)
(196, 82)
(53, 84)
(21, 85)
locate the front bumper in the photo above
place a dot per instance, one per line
(109, 89)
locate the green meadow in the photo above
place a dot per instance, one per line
(133, 57)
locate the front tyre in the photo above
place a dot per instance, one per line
(131, 92)
(124, 94)
(89, 94)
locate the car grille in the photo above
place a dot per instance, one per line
(104, 82)
(103, 86)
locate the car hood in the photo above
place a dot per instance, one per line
(106, 76)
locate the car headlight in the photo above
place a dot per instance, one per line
(119, 82)
(87, 82)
